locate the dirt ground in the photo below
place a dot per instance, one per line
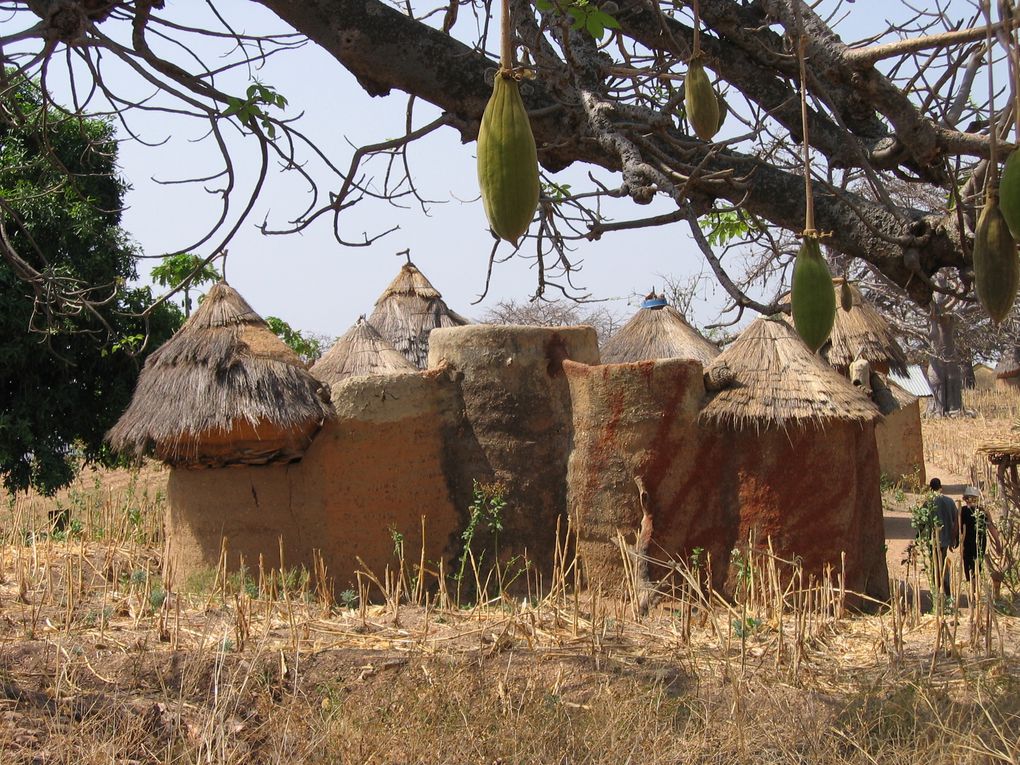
(898, 531)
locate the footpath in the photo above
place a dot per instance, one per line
(898, 531)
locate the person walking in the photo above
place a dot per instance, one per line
(947, 518)
(973, 532)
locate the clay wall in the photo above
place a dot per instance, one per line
(620, 445)
(900, 446)
(518, 424)
(814, 492)
(378, 468)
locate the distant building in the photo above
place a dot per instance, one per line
(984, 377)
(914, 382)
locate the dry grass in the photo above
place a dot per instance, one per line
(106, 658)
(952, 442)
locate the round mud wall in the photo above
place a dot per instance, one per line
(814, 490)
(634, 462)
(517, 427)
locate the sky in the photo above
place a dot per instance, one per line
(310, 280)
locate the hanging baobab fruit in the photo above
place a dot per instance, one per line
(700, 99)
(701, 102)
(507, 157)
(813, 298)
(846, 296)
(996, 269)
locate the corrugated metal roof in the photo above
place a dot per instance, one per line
(915, 382)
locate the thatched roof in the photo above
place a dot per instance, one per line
(778, 382)
(408, 309)
(224, 366)
(862, 332)
(657, 331)
(361, 351)
(1009, 365)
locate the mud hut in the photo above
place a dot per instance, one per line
(984, 376)
(786, 452)
(862, 333)
(863, 347)
(360, 351)
(657, 331)
(1007, 371)
(222, 391)
(798, 441)
(408, 310)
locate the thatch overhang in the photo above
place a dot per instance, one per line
(360, 351)
(408, 310)
(223, 390)
(892, 398)
(778, 382)
(863, 333)
(657, 331)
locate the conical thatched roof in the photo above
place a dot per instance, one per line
(861, 332)
(657, 331)
(224, 367)
(408, 310)
(361, 351)
(778, 382)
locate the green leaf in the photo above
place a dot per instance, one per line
(594, 27)
(544, 5)
(606, 20)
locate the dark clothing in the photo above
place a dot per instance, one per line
(972, 520)
(945, 511)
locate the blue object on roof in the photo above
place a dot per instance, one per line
(656, 302)
(915, 382)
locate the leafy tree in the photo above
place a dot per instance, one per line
(307, 346)
(186, 271)
(890, 98)
(69, 368)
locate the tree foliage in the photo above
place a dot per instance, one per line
(185, 271)
(306, 345)
(68, 367)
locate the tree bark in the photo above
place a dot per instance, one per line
(385, 49)
(944, 372)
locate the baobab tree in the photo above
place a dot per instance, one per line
(886, 104)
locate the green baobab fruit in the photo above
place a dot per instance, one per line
(1009, 193)
(701, 102)
(996, 269)
(507, 161)
(846, 296)
(814, 300)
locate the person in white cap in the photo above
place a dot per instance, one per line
(973, 531)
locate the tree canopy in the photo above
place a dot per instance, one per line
(68, 364)
(897, 115)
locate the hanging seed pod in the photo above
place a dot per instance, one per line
(846, 296)
(814, 300)
(701, 102)
(1009, 194)
(507, 161)
(724, 109)
(996, 269)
